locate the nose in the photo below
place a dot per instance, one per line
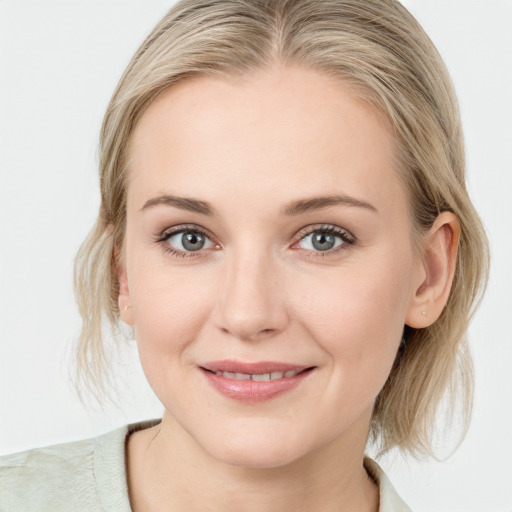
(251, 303)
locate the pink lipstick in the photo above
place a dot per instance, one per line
(254, 382)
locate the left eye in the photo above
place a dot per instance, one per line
(189, 241)
(321, 241)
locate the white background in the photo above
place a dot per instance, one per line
(59, 63)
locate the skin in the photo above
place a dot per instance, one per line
(260, 291)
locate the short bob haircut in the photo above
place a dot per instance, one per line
(379, 50)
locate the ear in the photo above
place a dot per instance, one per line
(124, 301)
(437, 268)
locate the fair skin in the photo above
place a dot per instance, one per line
(267, 274)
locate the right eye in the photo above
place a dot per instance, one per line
(188, 241)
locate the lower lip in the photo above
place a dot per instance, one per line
(253, 391)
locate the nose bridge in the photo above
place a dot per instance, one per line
(251, 305)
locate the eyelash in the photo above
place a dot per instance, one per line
(347, 238)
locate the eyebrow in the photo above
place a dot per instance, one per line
(297, 207)
(319, 203)
(183, 203)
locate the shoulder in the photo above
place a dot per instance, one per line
(83, 476)
(41, 479)
(389, 499)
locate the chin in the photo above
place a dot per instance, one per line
(261, 450)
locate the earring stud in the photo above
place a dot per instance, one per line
(127, 307)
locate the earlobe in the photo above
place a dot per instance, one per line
(438, 268)
(124, 302)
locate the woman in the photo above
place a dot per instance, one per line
(285, 225)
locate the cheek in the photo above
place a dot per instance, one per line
(358, 321)
(356, 300)
(170, 306)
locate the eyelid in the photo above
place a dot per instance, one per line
(182, 228)
(328, 228)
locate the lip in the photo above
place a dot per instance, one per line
(250, 391)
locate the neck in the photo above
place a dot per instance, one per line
(168, 471)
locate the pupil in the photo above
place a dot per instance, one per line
(192, 241)
(323, 241)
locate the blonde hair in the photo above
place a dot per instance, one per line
(377, 48)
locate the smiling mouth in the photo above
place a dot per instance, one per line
(254, 382)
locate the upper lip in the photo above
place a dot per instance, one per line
(259, 367)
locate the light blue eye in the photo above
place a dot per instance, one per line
(189, 241)
(321, 241)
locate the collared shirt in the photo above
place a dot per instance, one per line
(90, 476)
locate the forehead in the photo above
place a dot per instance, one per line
(285, 131)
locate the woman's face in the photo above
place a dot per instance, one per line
(268, 236)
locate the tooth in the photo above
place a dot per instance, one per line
(218, 372)
(229, 375)
(261, 377)
(242, 376)
(276, 375)
(290, 373)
